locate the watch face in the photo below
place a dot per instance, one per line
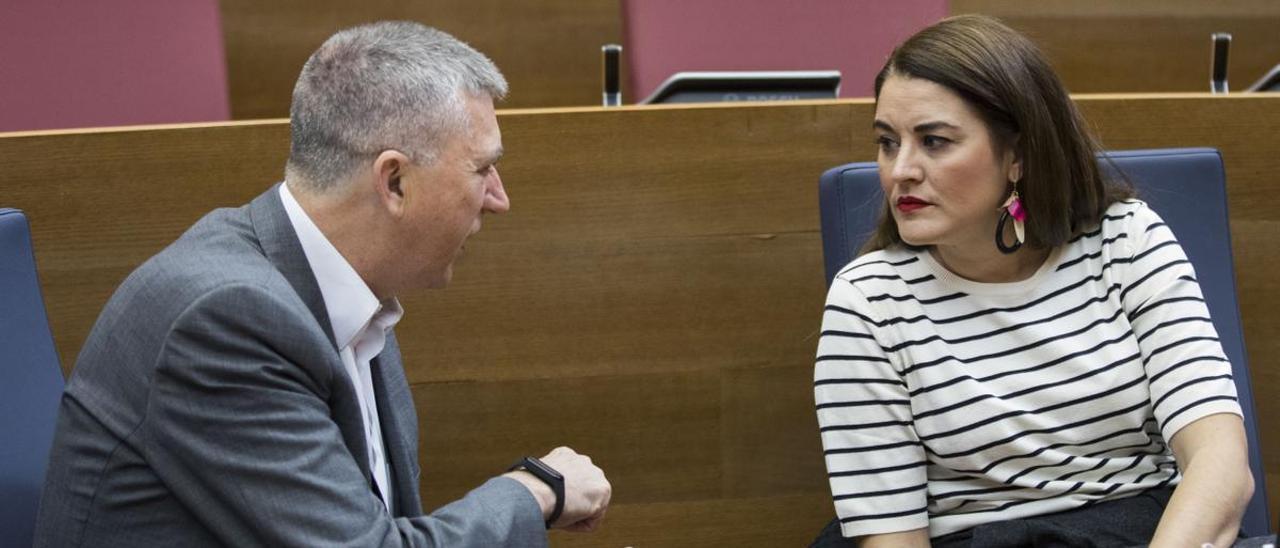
(542, 470)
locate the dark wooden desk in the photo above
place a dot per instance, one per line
(652, 299)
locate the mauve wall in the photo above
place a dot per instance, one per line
(662, 37)
(85, 63)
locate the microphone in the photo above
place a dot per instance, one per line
(1218, 70)
(612, 81)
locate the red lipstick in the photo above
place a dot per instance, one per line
(908, 204)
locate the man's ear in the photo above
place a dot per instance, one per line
(389, 168)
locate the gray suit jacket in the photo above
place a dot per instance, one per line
(210, 406)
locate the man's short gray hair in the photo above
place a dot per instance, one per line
(389, 85)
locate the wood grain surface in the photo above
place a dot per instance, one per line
(549, 50)
(652, 299)
(1142, 45)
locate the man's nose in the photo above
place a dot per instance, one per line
(495, 197)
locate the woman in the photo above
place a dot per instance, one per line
(1022, 355)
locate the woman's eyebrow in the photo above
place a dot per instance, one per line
(925, 127)
(934, 126)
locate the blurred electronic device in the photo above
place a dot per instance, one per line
(720, 86)
(1269, 81)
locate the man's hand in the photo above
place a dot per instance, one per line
(586, 491)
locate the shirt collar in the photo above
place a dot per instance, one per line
(351, 305)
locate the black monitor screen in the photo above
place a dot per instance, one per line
(711, 87)
(1269, 82)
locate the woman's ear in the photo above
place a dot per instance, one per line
(1013, 161)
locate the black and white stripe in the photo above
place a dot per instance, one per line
(947, 403)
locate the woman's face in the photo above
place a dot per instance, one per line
(941, 170)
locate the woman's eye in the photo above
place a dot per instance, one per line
(885, 143)
(933, 141)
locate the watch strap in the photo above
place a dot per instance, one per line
(547, 475)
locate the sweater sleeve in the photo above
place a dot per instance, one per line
(1188, 373)
(875, 462)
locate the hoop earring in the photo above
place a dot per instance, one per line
(1012, 208)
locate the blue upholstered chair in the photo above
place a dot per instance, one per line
(30, 383)
(1186, 186)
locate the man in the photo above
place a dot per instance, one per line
(244, 386)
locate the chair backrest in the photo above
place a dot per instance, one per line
(30, 382)
(92, 64)
(663, 37)
(1186, 186)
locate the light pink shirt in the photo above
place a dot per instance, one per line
(360, 324)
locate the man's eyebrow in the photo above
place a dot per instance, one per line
(492, 158)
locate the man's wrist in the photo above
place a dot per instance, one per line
(549, 477)
(542, 493)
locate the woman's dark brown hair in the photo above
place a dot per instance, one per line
(1006, 78)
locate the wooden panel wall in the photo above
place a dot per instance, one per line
(549, 50)
(1142, 45)
(653, 298)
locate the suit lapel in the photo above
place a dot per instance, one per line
(399, 426)
(281, 246)
(280, 243)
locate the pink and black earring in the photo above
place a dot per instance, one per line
(1012, 208)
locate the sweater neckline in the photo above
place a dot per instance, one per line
(971, 287)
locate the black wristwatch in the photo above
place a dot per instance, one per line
(549, 476)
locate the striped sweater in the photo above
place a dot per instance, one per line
(946, 403)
